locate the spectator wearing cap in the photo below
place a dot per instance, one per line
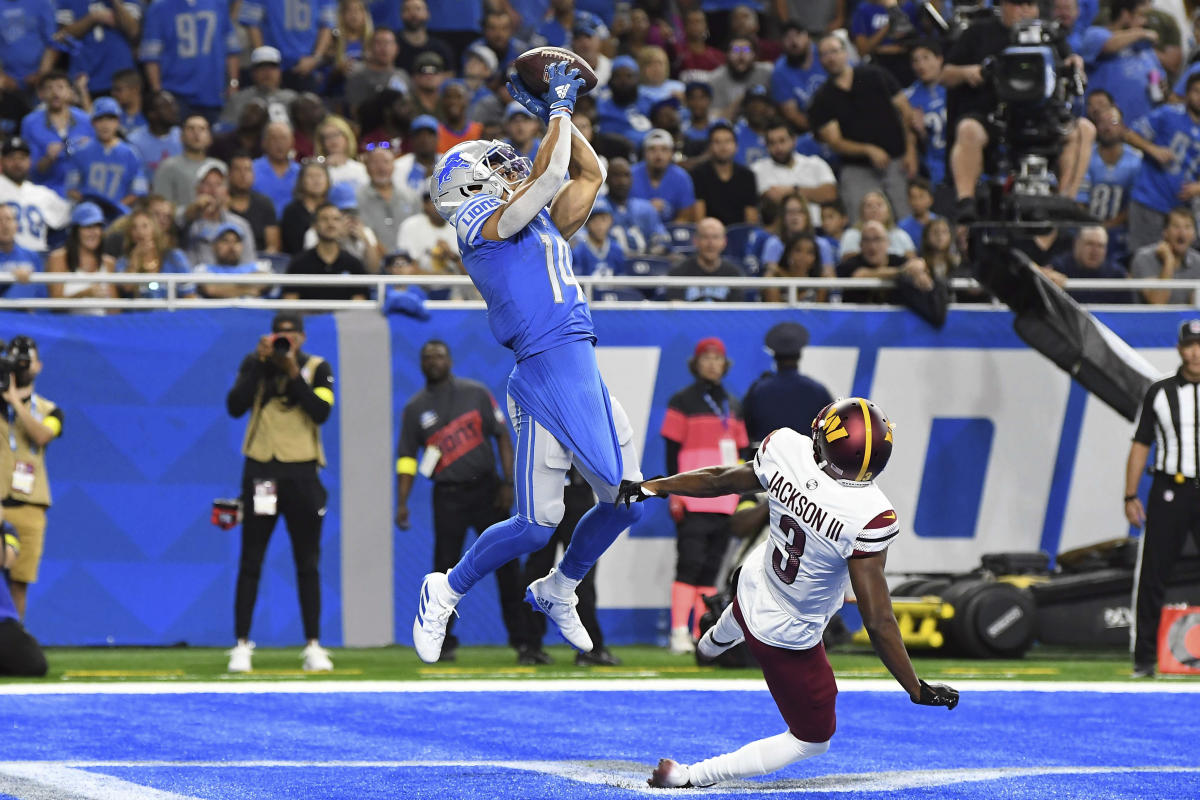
(209, 211)
(707, 262)
(310, 193)
(82, 253)
(175, 178)
(266, 86)
(783, 398)
(54, 131)
(523, 130)
(38, 208)
(740, 71)
(338, 146)
(480, 73)
(197, 65)
(302, 46)
(587, 36)
(106, 167)
(107, 34)
(148, 251)
(327, 257)
(498, 37)
(378, 71)
(599, 252)
(656, 81)
(784, 172)
(381, 205)
(667, 186)
(29, 54)
(698, 55)
(758, 112)
(161, 137)
(725, 189)
(18, 261)
(254, 207)
(412, 170)
(453, 125)
(698, 119)
(431, 240)
(229, 258)
(797, 76)
(414, 37)
(275, 172)
(428, 76)
(636, 222)
(702, 427)
(357, 239)
(618, 110)
(1172, 257)
(665, 115)
(1088, 258)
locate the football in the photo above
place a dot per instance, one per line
(532, 65)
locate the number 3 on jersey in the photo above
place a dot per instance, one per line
(558, 263)
(787, 561)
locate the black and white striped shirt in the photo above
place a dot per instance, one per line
(1170, 419)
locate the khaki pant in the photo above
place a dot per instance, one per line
(30, 524)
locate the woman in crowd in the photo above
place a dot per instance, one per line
(801, 259)
(791, 220)
(875, 207)
(337, 144)
(148, 251)
(354, 30)
(82, 254)
(312, 188)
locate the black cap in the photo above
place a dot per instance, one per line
(1189, 331)
(293, 317)
(14, 143)
(786, 339)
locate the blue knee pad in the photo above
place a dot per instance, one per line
(495, 547)
(598, 529)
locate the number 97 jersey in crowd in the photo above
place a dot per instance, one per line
(793, 584)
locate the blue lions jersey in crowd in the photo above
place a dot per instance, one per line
(36, 131)
(189, 40)
(1105, 188)
(629, 121)
(637, 225)
(1123, 74)
(20, 258)
(751, 145)
(28, 28)
(931, 101)
(674, 189)
(533, 300)
(1173, 128)
(797, 83)
(112, 172)
(292, 26)
(103, 50)
(609, 259)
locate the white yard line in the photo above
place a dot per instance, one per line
(50, 780)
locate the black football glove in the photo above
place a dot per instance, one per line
(632, 492)
(937, 694)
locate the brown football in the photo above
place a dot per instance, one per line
(532, 65)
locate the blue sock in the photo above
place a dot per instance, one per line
(598, 529)
(496, 546)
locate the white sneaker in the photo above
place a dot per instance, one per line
(434, 608)
(669, 775)
(709, 647)
(316, 659)
(681, 642)
(239, 657)
(544, 597)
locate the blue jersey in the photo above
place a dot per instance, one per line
(385, 14)
(291, 26)
(1105, 188)
(675, 189)
(797, 84)
(630, 121)
(1124, 74)
(189, 40)
(637, 226)
(113, 172)
(277, 187)
(103, 50)
(153, 150)
(931, 102)
(13, 260)
(1171, 127)
(607, 259)
(28, 29)
(751, 145)
(914, 228)
(37, 133)
(533, 301)
(456, 15)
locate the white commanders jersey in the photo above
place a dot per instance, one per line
(793, 584)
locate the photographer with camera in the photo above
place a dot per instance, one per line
(29, 423)
(289, 394)
(971, 97)
(20, 654)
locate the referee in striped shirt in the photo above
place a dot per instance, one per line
(1169, 419)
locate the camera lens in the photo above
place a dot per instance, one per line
(281, 344)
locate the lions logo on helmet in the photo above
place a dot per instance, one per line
(853, 439)
(473, 168)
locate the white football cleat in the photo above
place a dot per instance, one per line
(709, 647)
(316, 659)
(239, 657)
(681, 642)
(434, 608)
(543, 597)
(670, 774)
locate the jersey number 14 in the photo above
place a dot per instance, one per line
(558, 264)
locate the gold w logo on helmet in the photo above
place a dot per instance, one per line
(833, 427)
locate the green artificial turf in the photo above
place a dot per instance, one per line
(400, 663)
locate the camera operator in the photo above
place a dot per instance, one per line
(20, 653)
(29, 423)
(289, 394)
(970, 98)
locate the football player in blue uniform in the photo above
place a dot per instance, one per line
(513, 220)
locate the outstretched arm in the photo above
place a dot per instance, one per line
(549, 169)
(574, 200)
(706, 482)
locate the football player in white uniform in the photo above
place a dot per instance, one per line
(830, 524)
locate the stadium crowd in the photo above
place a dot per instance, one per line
(789, 138)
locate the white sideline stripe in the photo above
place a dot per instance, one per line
(577, 685)
(68, 779)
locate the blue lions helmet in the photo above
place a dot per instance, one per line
(472, 168)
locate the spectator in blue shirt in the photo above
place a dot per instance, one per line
(160, 138)
(127, 90)
(1121, 59)
(498, 37)
(54, 132)
(751, 130)
(667, 186)
(107, 32)
(106, 168)
(636, 223)
(927, 97)
(27, 55)
(697, 118)
(456, 23)
(189, 47)
(301, 30)
(599, 252)
(920, 201)
(1109, 181)
(617, 109)
(275, 172)
(878, 28)
(797, 76)
(17, 260)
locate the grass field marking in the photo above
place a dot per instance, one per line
(50, 780)
(574, 685)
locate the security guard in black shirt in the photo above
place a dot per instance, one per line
(783, 398)
(289, 394)
(449, 423)
(1169, 419)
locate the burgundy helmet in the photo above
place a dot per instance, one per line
(852, 439)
